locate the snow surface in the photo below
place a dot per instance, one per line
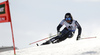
(67, 47)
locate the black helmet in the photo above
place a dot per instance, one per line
(68, 15)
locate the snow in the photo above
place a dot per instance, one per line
(67, 47)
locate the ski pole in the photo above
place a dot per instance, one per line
(41, 39)
(89, 37)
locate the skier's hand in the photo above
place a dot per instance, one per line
(58, 33)
(78, 37)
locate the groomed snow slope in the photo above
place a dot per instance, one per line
(67, 47)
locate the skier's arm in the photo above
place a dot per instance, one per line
(58, 27)
(79, 30)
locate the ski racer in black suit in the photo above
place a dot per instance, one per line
(67, 32)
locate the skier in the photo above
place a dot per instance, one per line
(68, 31)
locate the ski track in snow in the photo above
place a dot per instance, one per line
(67, 47)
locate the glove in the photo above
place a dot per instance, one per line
(78, 37)
(58, 33)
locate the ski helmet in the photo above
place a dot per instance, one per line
(69, 16)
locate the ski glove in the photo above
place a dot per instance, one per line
(78, 37)
(58, 33)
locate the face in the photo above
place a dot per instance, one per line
(68, 20)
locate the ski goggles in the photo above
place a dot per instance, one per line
(67, 19)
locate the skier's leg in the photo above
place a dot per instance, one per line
(45, 43)
(62, 36)
(50, 41)
(70, 34)
(60, 39)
